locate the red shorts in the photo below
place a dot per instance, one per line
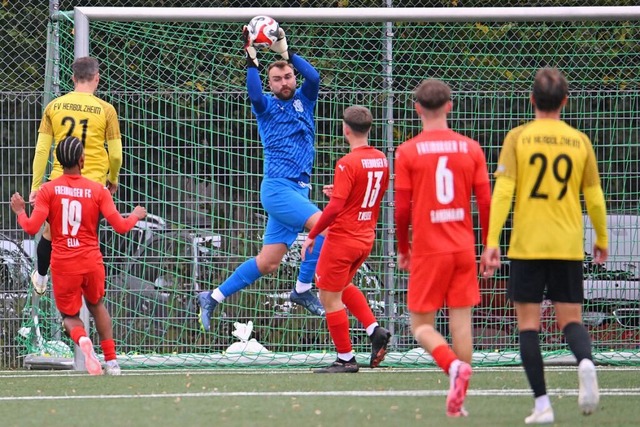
(338, 264)
(436, 280)
(68, 290)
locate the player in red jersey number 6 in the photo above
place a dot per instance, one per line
(436, 172)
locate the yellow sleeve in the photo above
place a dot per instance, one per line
(500, 207)
(115, 159)
(590, 176)
(40, 159)
(507, 161)
(597, 210)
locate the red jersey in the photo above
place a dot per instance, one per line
(441, 168)
(361, 179)
(72, 205)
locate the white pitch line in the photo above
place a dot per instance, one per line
(346, 393)
(257, 371)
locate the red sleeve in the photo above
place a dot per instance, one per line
(110, 212)
(482, 190)
(403, 219)
(343, 178)
(483, 198)
(121, 224)
(329, 214)
(39, 215)
(32, 225)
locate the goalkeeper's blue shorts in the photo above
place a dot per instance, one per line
(288, 208)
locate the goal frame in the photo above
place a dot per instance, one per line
(83, 16)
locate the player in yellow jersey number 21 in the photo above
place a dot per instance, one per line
(93, 121)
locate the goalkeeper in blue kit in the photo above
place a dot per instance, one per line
(287, 129)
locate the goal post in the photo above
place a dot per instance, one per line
(192, 156)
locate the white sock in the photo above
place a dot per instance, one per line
(345, 356)
(542, 403)
(371, 328)
(302, 287)
(217, 295)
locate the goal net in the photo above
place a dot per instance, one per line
(193, 158)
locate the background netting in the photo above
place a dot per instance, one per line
(193, 158)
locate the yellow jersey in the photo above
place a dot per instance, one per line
(551, 163)
(89, 119)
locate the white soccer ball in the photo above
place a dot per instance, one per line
(263, 31)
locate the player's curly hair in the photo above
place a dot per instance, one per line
(69, 151)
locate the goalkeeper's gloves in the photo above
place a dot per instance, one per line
(280, 46)
(252, 54)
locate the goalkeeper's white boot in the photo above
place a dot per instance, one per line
(588, 393)
(39, 282)
(540, 417)
(91, 362)
(111, 367)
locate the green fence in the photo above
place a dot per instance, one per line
(193, 158)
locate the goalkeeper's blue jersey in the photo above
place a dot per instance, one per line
(287, 130)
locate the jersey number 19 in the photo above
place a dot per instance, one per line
(71, 216)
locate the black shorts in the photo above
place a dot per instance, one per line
(534, 280)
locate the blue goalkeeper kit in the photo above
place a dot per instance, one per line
(287, 128)
(287, 131)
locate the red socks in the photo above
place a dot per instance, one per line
(77, 333)
(358, 305)
(108, 349)
(338, 324)
(444, 356)
(108, 346)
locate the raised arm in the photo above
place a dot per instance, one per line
(311, 85)
(254, 85)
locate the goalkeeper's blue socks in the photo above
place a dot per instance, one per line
(308, 266)
(243, 276)
(248, 272)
